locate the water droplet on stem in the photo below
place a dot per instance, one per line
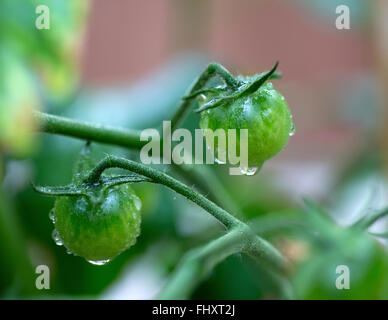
(137, 203)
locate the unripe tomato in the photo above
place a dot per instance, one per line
(98, 229)
(264, 113)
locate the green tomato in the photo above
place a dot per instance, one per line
(264, 113)
(98, 229)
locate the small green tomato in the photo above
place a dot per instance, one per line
(98, 229)
(264, 113)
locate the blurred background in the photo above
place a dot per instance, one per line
(128, 63)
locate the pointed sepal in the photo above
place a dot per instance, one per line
(250, 85)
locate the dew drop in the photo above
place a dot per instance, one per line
(202, 98)
(56, 238)
(248, 171)
(292, 129)
(51, 215)
(137, 203)
(98, 262)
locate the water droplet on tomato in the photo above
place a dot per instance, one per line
(51, 215)
(292, 129)
(248, 171)
(56, 238)
(98, 262)
(137, 203)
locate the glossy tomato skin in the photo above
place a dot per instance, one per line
(264, 113)
(99, 230)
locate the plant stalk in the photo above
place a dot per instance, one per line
(212, 70)
(88, 131)
(157, 176)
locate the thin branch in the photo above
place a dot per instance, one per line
(197, 264)
(88, 131)
(212, 70)
(157, 176)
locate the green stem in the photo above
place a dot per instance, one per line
(205, 180)
(88, 131)
(124, 137)
(197, 264)
(212, 70)
(160, 177)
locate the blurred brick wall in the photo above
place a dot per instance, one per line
(124, 39)
(128, 38)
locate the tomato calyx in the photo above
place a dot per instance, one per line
(223, 94)
(95, 191)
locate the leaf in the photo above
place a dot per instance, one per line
(366, 221)
(380, 235)
(317, 211)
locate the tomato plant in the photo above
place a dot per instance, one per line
(97, 216)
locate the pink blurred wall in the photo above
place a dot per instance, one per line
(128, 38)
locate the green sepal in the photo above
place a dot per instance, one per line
(86, 189)
(218, 90)
(249, 85)
(68, 190)
(111, 181)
